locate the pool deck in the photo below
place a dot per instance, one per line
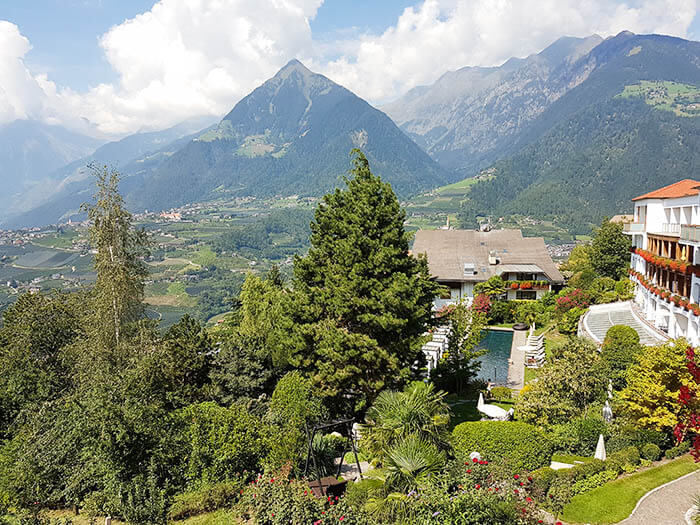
(516, 363)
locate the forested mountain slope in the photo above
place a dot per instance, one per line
(592, 164)
(292, 135)
(476, 116)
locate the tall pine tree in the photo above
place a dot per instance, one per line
(362, 302)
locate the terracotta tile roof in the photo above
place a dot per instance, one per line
(683, 188)
(449, 251)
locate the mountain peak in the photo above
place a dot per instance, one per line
(293, 66)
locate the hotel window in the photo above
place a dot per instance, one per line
(527, 277)
(526, 294)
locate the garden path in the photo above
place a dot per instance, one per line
(667, 504)
(516, 364)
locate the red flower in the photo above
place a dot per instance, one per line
(475, 460)
(516, 477)
(469, 471)
(477, 486)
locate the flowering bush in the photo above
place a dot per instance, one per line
(574, 299)
(275, 498)
(482, 303)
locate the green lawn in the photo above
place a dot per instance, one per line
(220, 517)
(466, 411)
(616, 500)
(570, 459)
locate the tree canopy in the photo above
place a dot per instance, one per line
(362, 302)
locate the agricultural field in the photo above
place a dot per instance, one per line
(46, 259)
(681, 99)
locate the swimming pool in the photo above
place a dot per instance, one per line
(494, 364)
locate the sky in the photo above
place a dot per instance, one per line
(113, 67)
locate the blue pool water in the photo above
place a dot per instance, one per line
(494, 364)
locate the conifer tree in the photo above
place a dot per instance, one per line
(120, 271)
(362, 302)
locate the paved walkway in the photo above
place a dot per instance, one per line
(666, 505)
(516, 364)
(601, 317)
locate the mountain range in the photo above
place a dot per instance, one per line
(569, 133)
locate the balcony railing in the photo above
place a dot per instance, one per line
(690, 233)
(633, 227)
(669, 229)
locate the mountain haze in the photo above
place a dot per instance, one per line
(30, 150)
(61, 192)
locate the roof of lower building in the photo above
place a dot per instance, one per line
(683, 188)
(463, 255)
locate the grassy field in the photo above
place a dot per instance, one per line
(220, 517)
(465, 410)
(681, 99)
(616, 500)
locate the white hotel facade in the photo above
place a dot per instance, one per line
(665, 259)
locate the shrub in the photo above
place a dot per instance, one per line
(559, 493)
(651, 452)
(619, 350)
(205, 499)
(678, 450)
(569, 321)
(627, 436)
(294, 405)
(502, 393)
(501, 312)
(521, 446)
(222, 442)
(626, 457)
(541, 480)
(586, 470)
(275, 499)
(593, 481)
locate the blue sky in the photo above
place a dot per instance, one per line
(186, 58)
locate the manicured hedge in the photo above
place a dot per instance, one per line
(521, 446)
(651, 452)
(678, 450)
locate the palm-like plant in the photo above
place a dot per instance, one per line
(419, 411)
(410, 465)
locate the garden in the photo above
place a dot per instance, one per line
(102, 413)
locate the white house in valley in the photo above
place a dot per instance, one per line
(459, 259)
(665, 260)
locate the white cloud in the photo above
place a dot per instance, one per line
(20, 94)
(440, 35)
(194, 57)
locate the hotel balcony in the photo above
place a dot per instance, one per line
(633, 227)
(690, 234)
(668, 229)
